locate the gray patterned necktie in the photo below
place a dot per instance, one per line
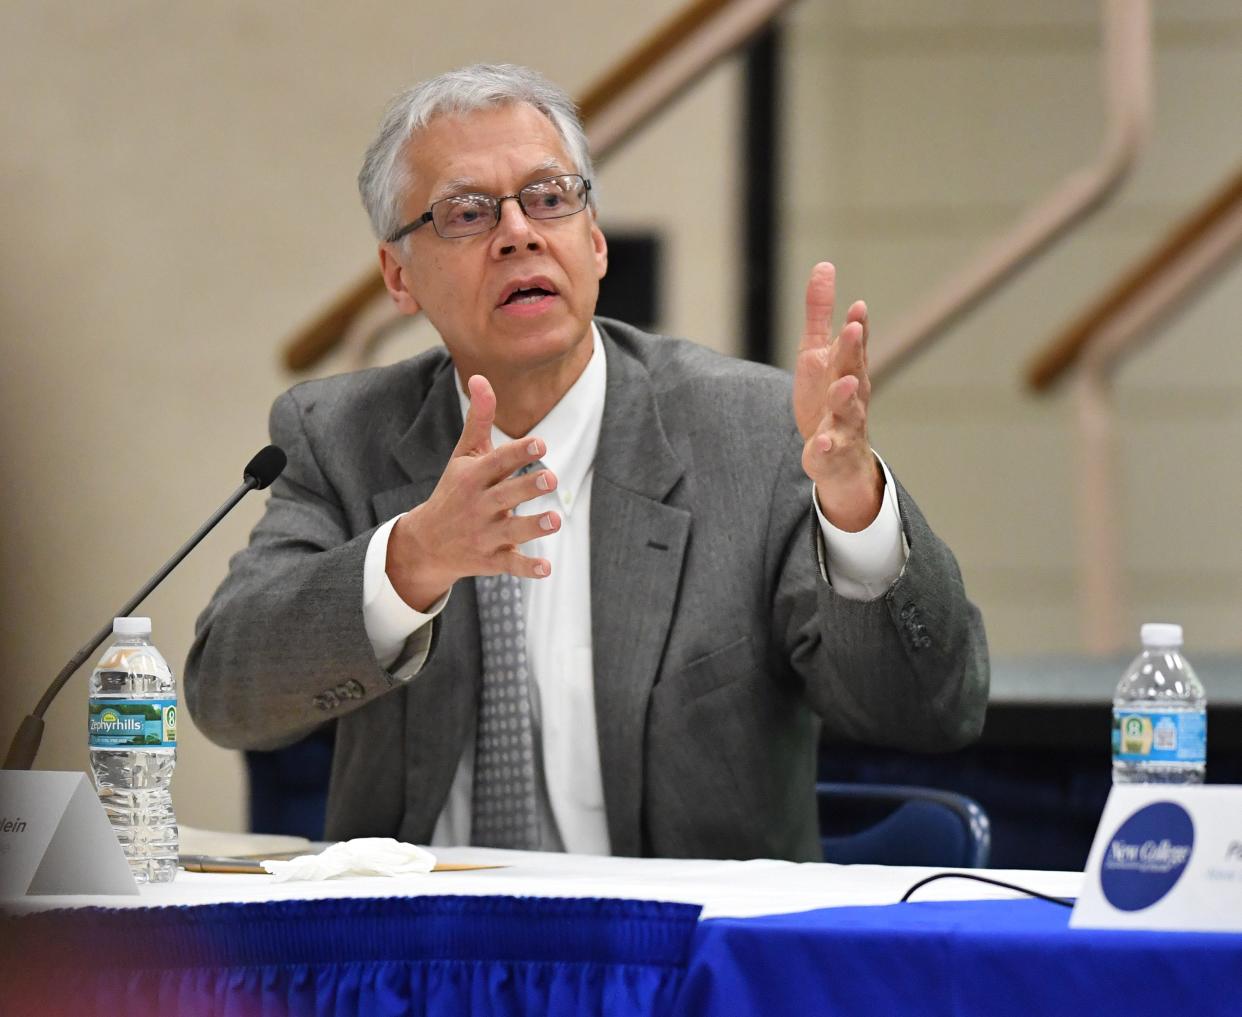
(505, 810)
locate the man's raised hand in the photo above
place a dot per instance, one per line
(467, 526)
(831, 395)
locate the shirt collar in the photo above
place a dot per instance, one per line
(571, 429)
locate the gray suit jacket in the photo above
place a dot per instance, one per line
(718, 644)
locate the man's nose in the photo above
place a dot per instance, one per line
(515, 231)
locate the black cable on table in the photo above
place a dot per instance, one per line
(985, 879)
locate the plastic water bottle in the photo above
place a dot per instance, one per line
(1159, 715)
(133, 746)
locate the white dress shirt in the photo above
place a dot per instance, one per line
(558, 618)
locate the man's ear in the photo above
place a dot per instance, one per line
(601, 251)
(396, 278)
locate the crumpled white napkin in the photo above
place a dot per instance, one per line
(363, 856)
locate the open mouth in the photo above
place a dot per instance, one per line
(525, 292)
(529, 296)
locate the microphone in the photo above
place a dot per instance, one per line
(259, 473)
(262, 469)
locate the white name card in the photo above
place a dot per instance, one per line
(55, 837)
(1166, 857)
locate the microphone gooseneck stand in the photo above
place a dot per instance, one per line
(259, 473)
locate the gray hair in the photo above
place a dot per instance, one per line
(481, 86)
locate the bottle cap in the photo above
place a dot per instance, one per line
(131, 626)
(1161, 634)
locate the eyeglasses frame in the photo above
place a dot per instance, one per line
(428, 217)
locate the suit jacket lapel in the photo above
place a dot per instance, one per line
(441, 701)
(637, 545)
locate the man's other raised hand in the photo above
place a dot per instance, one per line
(831, 394)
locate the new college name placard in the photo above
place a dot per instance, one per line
(1166, 857)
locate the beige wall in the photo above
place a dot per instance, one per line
(178, 193)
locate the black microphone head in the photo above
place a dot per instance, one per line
(265, 466)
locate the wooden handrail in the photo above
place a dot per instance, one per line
(323, 333)
(647, 78)
(649, 53)
(1127, 45)
(1052, 363)
(1182, 264)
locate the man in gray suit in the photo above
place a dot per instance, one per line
(563, 584)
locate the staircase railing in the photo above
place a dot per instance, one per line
(704, 32)
(1195, 252)
(1126, 34)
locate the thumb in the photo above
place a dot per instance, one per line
(476, 432)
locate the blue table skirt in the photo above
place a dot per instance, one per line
(377, 957)
(956, 958)
(513, 955)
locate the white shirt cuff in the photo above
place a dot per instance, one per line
(389, 620)
(863, 565)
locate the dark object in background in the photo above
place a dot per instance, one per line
(630, 291)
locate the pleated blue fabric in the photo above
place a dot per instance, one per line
(380, 957)
(996, 958)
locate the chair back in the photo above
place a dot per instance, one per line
(289, 786)
(923, 826)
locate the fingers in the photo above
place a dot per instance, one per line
(468, 526)
(476, 433)
(820, 300)
(822, 360)
(821, 293)
(517, 564)
(846, 414)
(858, 313)
(509, 494)
(499, 493)
(845, 403)
(849, 352)
(521, 529)
(517, 530)
(476, 436)
(497, 466)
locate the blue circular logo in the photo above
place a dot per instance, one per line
(1147, 855)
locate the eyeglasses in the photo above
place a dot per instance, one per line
(464, 215)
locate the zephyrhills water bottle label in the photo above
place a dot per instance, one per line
(1159, 736)
(115, 723)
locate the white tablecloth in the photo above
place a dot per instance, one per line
(723, 888)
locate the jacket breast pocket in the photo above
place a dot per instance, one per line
(715, 670)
